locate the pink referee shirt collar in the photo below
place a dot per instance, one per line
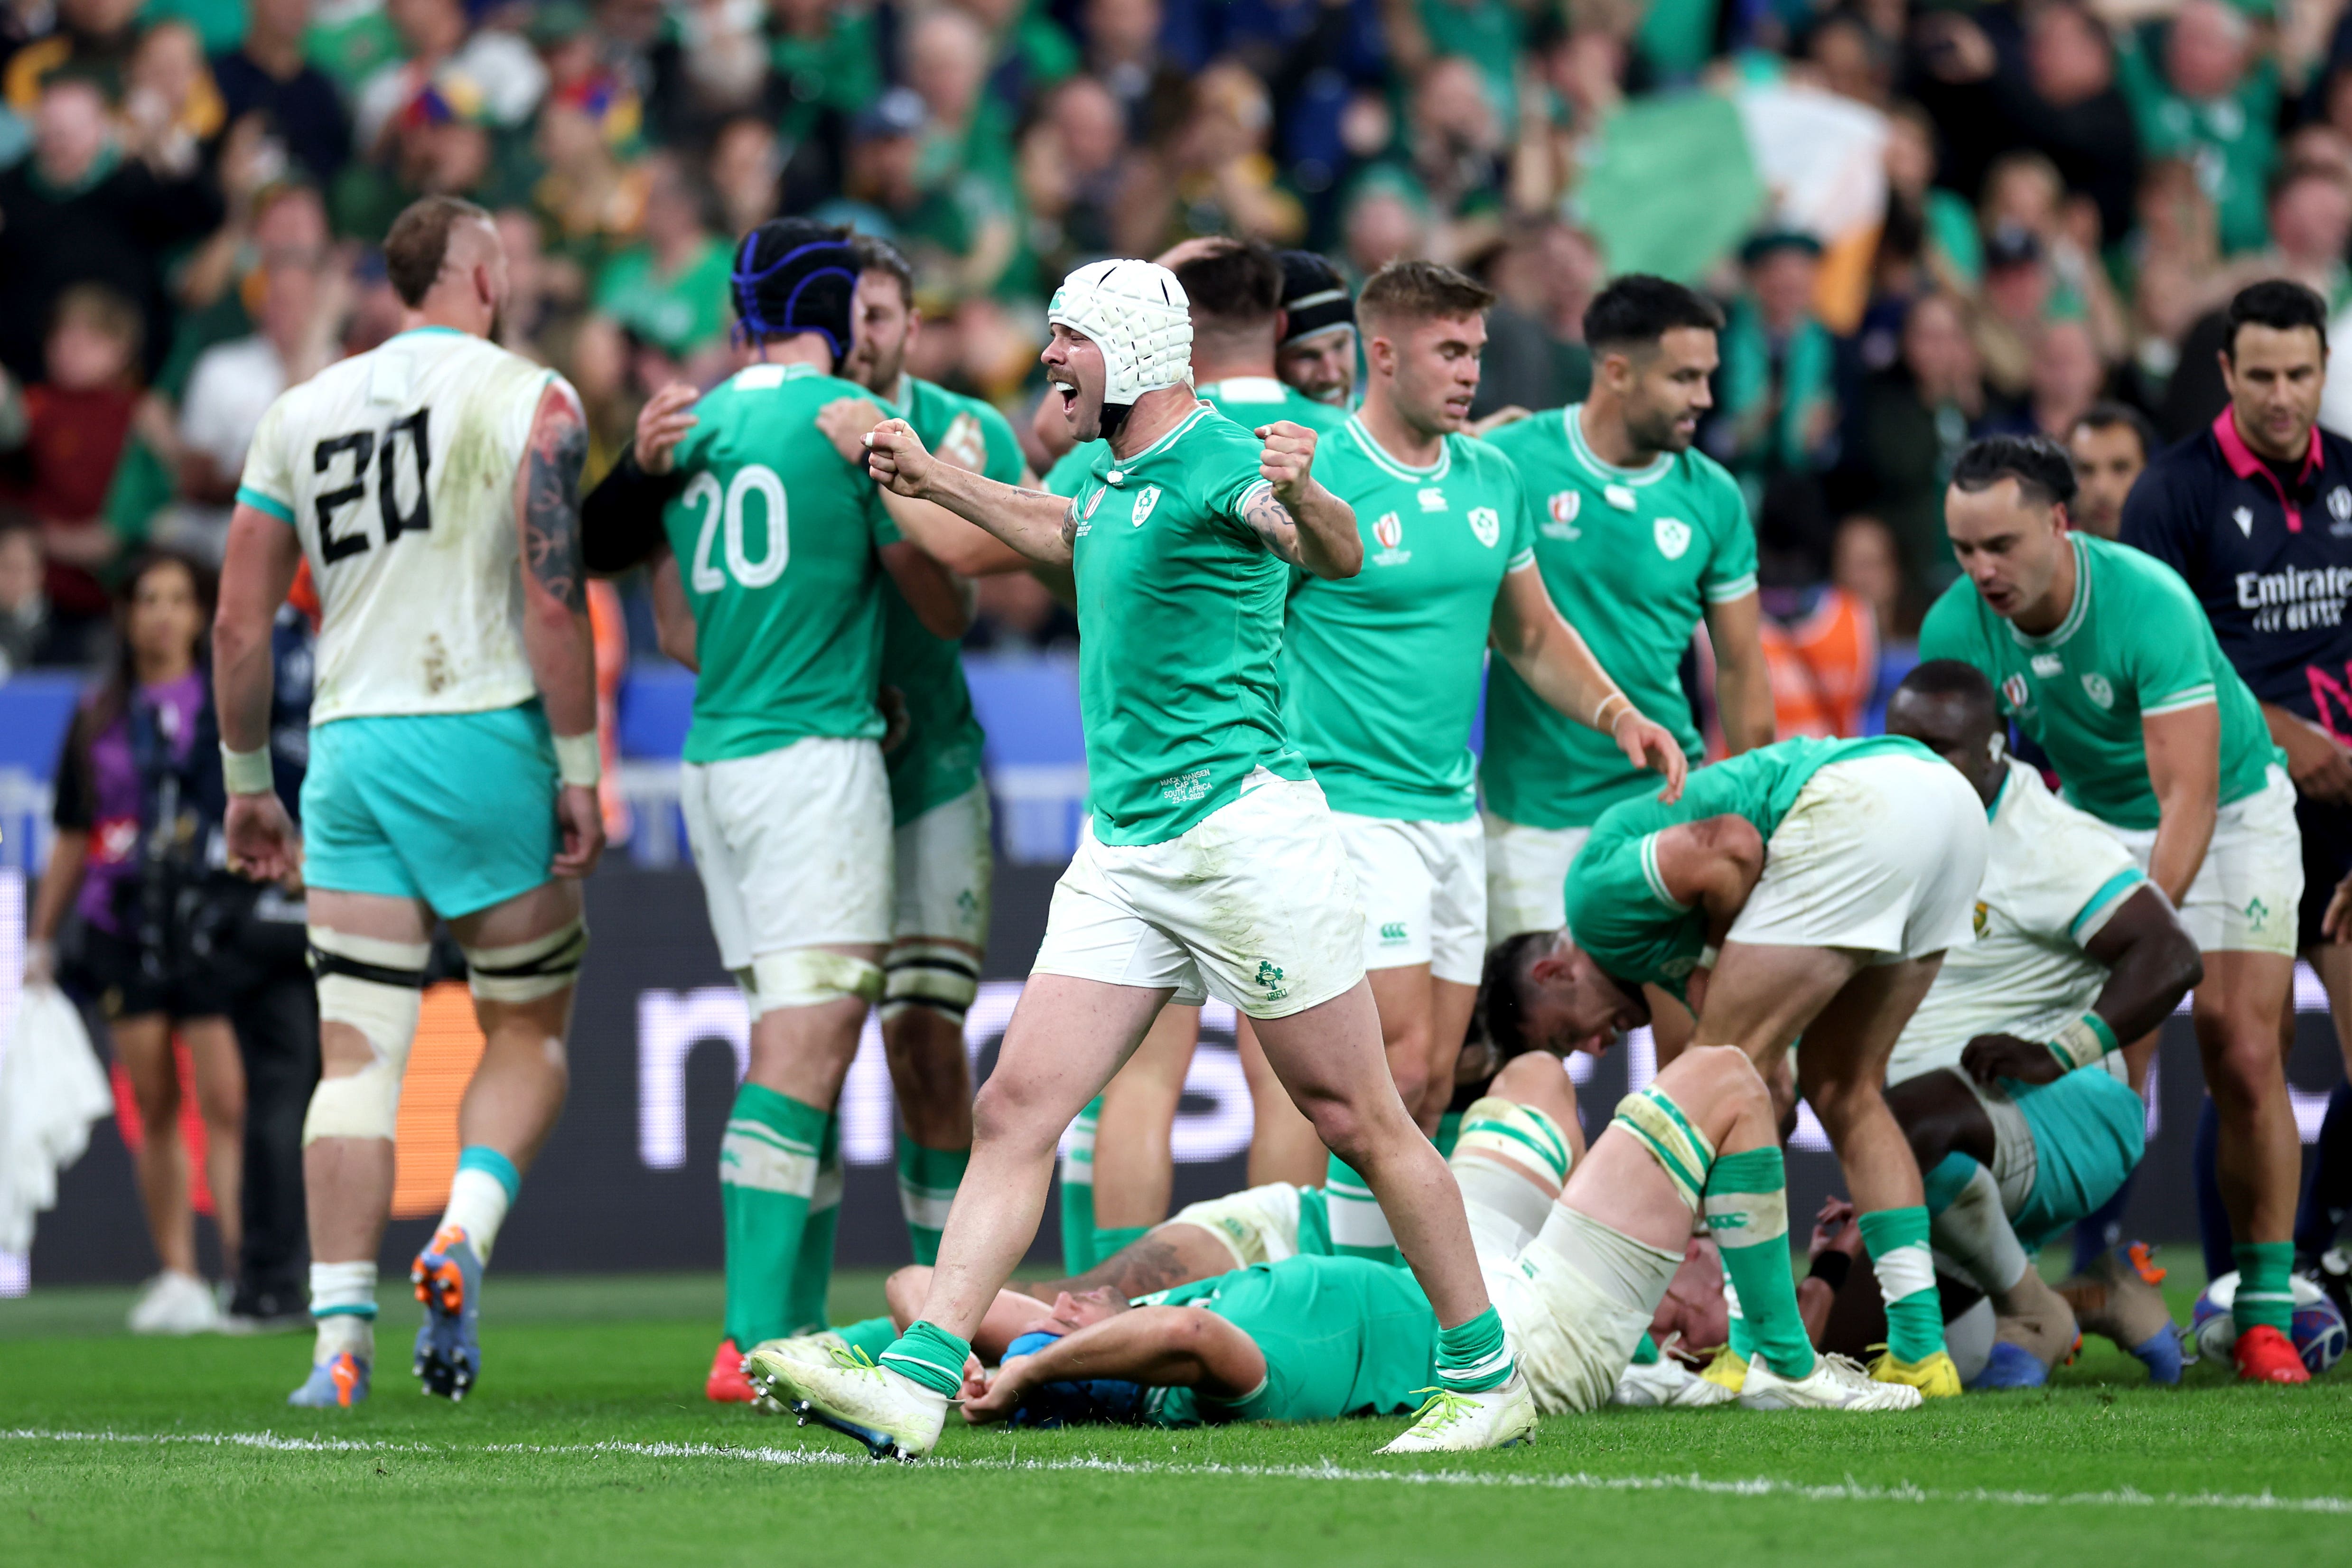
(2245, 465)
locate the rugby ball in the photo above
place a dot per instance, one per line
(2317, 1329)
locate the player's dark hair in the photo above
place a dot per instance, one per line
(1417, 290)
(2280, 304)
(418, 244)
(1235, 284)
(2106, 415)
(1638, 309)
(1502, 1008)
(1949, 678)
(2043, 472)
(876, 254)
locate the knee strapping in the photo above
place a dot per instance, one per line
(810, 977)
(1681, 1150)
(938, 976)
(376, 988)
(527, 971)
(1518, 1132)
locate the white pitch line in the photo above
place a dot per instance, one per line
(1847, 1490)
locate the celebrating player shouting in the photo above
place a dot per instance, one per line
(785, 546)
(1380, 673)
(1875, 851)
(1211, 863)
(2101, 654)
(433, 486)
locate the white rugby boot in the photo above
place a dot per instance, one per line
(1666, 1381)
(176, 1303)
(1836, 1383)
(815, 1347)
(1451, 1423)
(893, 1415)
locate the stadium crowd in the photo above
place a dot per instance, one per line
(1961, 275)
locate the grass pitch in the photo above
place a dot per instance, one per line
(589, 1442)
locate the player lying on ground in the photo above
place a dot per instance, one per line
(1578, 1252)
(1875, 851)
(433, 484)
(2001, 1079)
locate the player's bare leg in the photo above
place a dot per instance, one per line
(2237, 1012)
(1134, 1163)
(931, 1077)
(1283, 1145)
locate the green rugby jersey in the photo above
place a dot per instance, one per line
(1342, 1336)
(2134, 643)
(1632, 557)
(1179, 623)
(940, 759)
(775, 538)
(1380, 671)
(1249, 401)
(1618, 908)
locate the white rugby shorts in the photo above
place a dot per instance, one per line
(2245, 895)
(1527, 870)
(1880, 854)
(793, 847)
(1255, 905)
(943, 865)
(1423, 888)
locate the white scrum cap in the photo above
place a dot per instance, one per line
(1135, 312)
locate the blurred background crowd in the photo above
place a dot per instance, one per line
(1928, 222)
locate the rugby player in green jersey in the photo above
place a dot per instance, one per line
(1584, 1244)
(939, 804)
(2102, 656)
(1875, 851)
(782, 548)
(1380, 673)
(1317, 353)
(1210, 863)
(1116, 1172)
(1641, 538)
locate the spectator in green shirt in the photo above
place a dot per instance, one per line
(671, 289)
(2214, 102)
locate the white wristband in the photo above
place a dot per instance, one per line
(1603, 708)
(1709, 956)
(247, 772)
(580, 760)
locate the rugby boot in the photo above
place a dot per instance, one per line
(2266, 1355)
(1666, 1381)
(807, 1347)
(1934, 1377)
(894, 1416)
(1836, 1383)
(1450, 1423)
(449, 1278)
(727, 1383)
(1729, 1370)
(337, 1382)
(2035, 1331)
(2116, 1298)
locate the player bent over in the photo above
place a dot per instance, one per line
(785, 547)
(1578, 1252)
(2001, 1079)
(1875, 851)
(1212, 863)
(433, 486)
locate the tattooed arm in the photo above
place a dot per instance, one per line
(555, 635)
(1300, 521)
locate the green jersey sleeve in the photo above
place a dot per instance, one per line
(2171, 673)
(1732, 566)
(1519, 541)
(878, 520)
(1951, 629)
(1619, 911)
(1004, 459)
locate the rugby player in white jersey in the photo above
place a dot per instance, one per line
(433, 486)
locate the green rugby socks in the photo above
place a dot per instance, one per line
(1078, 1192)
(928, 1179)
(768, 1166)
(1746, 1210)
(871, 1335)
(1474, 1357)
(1108, 1239)
(1898, 1240)
(1359, 1229)
(2266, 1285)
(929, 1354)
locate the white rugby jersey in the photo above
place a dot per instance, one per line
(2052, 879)
(397, 469)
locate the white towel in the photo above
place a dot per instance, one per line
(51, 1091)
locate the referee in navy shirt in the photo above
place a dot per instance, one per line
(2255, 512)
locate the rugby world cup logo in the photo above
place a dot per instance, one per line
(1388, 530)
(2013, 691)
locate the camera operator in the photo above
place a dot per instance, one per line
(139, 855)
